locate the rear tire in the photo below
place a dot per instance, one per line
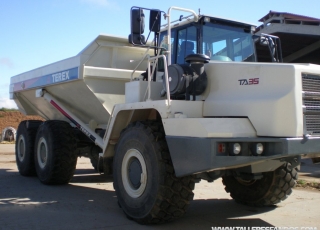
(271, 189)
(147, 189)
(24, 147)
(94, 162)
(55, 152)
(94, 159)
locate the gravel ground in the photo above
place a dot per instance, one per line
(89, 202)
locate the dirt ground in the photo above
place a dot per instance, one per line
(13, 119)
(89, 202)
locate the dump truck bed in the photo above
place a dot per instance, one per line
(89, 84)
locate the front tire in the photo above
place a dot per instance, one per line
(96, 163)
(55, 155)
(147, 189)
(24, 147)
(273, 188)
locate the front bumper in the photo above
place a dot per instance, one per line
(194, 155)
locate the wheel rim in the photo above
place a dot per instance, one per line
(134, 173)
(246, 182)
(42, 152)
(21, 148)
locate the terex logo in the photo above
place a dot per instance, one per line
(250, 81)
(85, 131)
(63, 76)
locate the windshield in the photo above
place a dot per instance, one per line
(226, 43)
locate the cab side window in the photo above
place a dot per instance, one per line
(187, 43)
(224, 44)
(164, 43)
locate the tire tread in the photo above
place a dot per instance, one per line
(29, 129)
(174, 193)
(280, 187)
(65, 159)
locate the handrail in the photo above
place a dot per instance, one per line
(195, 18)
(142, 59)
(168, 52)
(151, 59)
(178, 20)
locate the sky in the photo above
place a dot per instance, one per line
(34, 33)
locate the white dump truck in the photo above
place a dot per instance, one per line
(193, 104)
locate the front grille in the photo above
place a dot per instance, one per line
(311, 83)
(311, 103)
(312, 123)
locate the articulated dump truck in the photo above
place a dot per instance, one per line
(192, 104)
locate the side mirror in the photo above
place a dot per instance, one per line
(137, 26)
(266, 41)
(273, 43)
(155, 21)
(137, 18)
(137, 21)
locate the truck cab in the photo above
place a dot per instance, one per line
(220, 39)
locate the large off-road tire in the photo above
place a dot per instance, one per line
(105, 164)
(24, 147)
(271, 189)
(55, 155)
(147, 189)
(94, 159)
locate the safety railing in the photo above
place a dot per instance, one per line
(154, 60)
(146, 55)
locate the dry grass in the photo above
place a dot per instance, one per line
(7, 142)
(13, 118)
(308, 184)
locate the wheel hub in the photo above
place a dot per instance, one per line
(42, 153)
(21, 148)
(246, 182)
(134, 173)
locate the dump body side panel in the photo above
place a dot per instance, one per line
(88, 84)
